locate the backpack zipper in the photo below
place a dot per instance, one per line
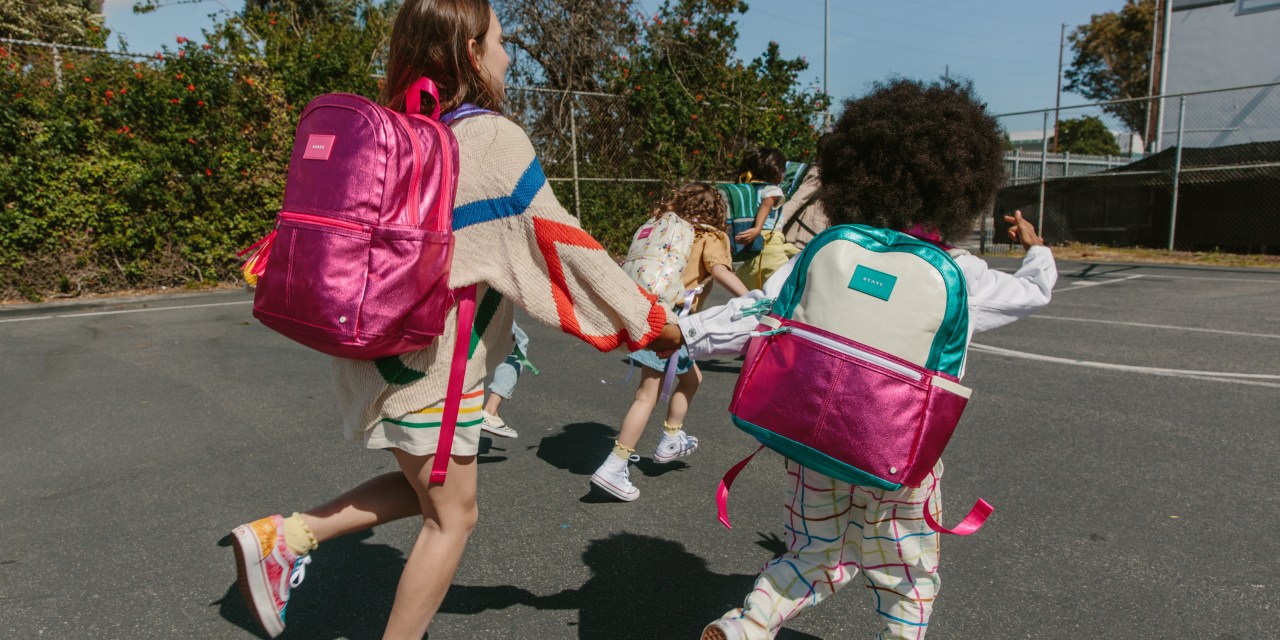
(446, 158)
(415, 180)
(323, 221)
(854, 352)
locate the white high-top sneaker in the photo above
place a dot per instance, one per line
(614, 477)
(677, 446)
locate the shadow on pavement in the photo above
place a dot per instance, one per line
(485, 448)
(717, 366)
(578, 448)
(347, 592)
(641, 587)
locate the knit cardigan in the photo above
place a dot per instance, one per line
(512, 237)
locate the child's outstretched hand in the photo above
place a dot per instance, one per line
(748, 236)
(1022, 231)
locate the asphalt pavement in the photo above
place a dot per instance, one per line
(1127, 435)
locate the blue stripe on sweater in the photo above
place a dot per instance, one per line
(506, 206)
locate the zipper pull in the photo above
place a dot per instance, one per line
(771, 332)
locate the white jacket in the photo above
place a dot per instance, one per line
(995, 299)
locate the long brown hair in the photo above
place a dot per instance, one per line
(429, 38)
(696, 202)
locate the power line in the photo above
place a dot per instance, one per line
(981, 14)
(922, 27)
(899, 44)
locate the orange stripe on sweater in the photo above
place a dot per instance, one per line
(549, 234)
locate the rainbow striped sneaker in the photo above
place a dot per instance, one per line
(266, 570)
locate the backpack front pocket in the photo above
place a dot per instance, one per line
(847, 410)
(315, 279)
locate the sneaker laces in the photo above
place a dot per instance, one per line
(299, 571)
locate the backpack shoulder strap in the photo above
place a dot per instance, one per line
(453, 393)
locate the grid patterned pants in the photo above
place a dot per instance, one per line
(833, 530)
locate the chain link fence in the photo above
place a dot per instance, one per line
(584, 139)
(1213, 183)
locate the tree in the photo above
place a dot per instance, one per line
(74, 22)
(699, 106)
(1113, 60)
(1087, 135)
(567, 44)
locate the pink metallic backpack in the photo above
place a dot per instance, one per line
(358, 264)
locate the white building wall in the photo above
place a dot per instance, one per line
(1216, 46)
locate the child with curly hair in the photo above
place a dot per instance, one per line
(924, 159)
(709, 262)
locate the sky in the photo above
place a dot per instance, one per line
(1008, 48)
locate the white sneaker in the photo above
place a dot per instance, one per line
(724, 630)
(614, 477)
(496, 426)
(677, 446)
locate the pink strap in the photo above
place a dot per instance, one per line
(722, 492)
(457, 372)
(413, 97)
(971, 523)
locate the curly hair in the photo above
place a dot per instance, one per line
(766, 164)
(912, 153)
(697, 202)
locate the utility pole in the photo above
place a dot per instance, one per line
(1154, 69)
(1164, 69)
(1057, 100)
(826, 37)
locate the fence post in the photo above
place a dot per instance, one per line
(1066, 165)
(1044, 167)
(57, 68)
(1017, 173)
(573, 145)
(1177, 171)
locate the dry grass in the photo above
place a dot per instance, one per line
(1099, 253)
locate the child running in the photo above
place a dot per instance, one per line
(764, 168)
(924, 158)
(511, 237)
(709, 262)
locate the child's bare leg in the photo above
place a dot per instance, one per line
(492, 403)
(377, 501)
(449, 514)
(686, 385)
(638, 415)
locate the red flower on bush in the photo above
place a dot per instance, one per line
(199, 103)
(88, 79)
(208, 172)
(207, 46)
(191, 87)
(181, 40)
(173, 101)
(191, 140)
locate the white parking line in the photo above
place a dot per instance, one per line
(120, 311)
(1098, 283)
(1255, 379)
(1161, 326)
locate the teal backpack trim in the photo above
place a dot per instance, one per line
(947, 353)
(814, 459)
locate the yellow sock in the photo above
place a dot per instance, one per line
(622, 450)
(671, 429)
(297, 536)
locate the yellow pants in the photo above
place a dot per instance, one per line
(755, 271)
